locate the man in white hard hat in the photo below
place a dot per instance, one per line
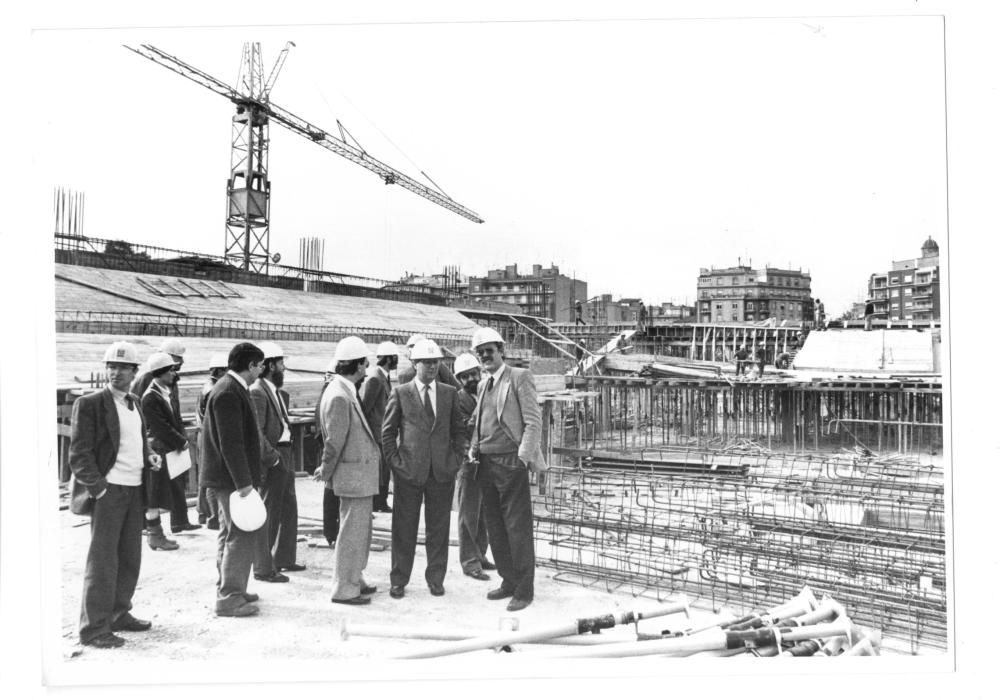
(167, 434)
(472, 536)
(277, 541)
(179, 521)
(408, 373)
(232, 461)
(422, 440)
(349, 467)
(208, 510)
(111, 461)
(375, 390)
(507, 443)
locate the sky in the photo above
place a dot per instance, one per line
(629, 153)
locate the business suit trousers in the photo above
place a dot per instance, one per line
(472, 538)
(350, 556)
(112, 569)
(507, 498)
(381, 499)
(235, 555)
(331, 515)
(208, 511)
(178, 501)
(406, 501)
(273, 551)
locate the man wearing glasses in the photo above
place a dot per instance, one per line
(507, 444)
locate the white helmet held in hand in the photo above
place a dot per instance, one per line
(425, 350)
(249, 513)
(350, 348)
(485, 335)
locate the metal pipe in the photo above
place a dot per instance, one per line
(580, 626)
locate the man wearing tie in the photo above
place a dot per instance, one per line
(374, 394)
(276, 541)
(422, 439)
(507, 444)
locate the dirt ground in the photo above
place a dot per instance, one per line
(297, 620)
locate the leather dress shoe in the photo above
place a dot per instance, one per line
(105, 641)
(292, 567)
(499, 594)
(488, 565)
(128, 623)
(251, 597)
(356, 600)
(436, 589)
(479, 575)
(273, 577)
(184, 528)
(397, 591)
(368, 590)
(517, 604)
(245, 610)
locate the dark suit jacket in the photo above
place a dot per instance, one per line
(232, 442)
(142, 382)
(467, 405)
(374, 396)
(93, 446)
(164, 427)
(413, 447)
(269, 421)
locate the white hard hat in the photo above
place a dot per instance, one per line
(414, 339)
(387, 348)
(465, 362)
(171, 346)
(248, 512)
(219, 359)
(159, 360)
(122, 351)
(271, 350)
(425, 350)
(350, 348)
(485, 335)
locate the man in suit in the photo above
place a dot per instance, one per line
(407, 374)
(472, 536)
(507, 443)
(232, 463)
(110, 461)
(177, 486)
(349, 467)
(331, 504)
(208, 511)
(276, 541)
(375, 392)
(422, 439)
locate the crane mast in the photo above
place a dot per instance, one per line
(249, 188)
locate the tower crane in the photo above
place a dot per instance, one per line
(248, 187)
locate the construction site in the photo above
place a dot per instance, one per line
(689, 508)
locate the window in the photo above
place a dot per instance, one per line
(893, 280)
(907, 279)
(735, 305)
(894, 292)
(718, 307)
(895, 306)
(908, 291)
(188, 288)
(749, 306)
(908, 305)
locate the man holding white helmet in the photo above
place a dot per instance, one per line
(472, 536)
(375, 390)
(422, 440)
(208, 511)
(350, 467)
(507, 443)
(232, 464)
(277, 542)
(111, 461)
(408, 373)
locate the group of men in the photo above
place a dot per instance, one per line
(431, 429)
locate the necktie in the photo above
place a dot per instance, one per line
(428, 408)
(130, 402)
(479, 415)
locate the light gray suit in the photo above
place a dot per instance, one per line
(350, 466)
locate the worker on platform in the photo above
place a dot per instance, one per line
(408, 373)
(375, 391)
(640, 326)
(277, 539)
(178, 485)
(208, 510)
(506, 443)
(111, 460)
(742, 356)
(472, 535)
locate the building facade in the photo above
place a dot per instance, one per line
(545, 292)
(911, 290)
(743, 294)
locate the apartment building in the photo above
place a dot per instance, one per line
(911, 290)
(743, 294)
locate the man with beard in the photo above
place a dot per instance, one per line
(276, 540)
(375, 392)
(472, 537)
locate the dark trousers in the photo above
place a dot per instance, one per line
(273, 492)
(380, 501)
(406, 500)
(112, 568)
(507, 498)
(234, 558)
(178, 501)
(208, 511)
(331, 515)
(472, 538)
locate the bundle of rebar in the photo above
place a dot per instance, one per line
(743, 529)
